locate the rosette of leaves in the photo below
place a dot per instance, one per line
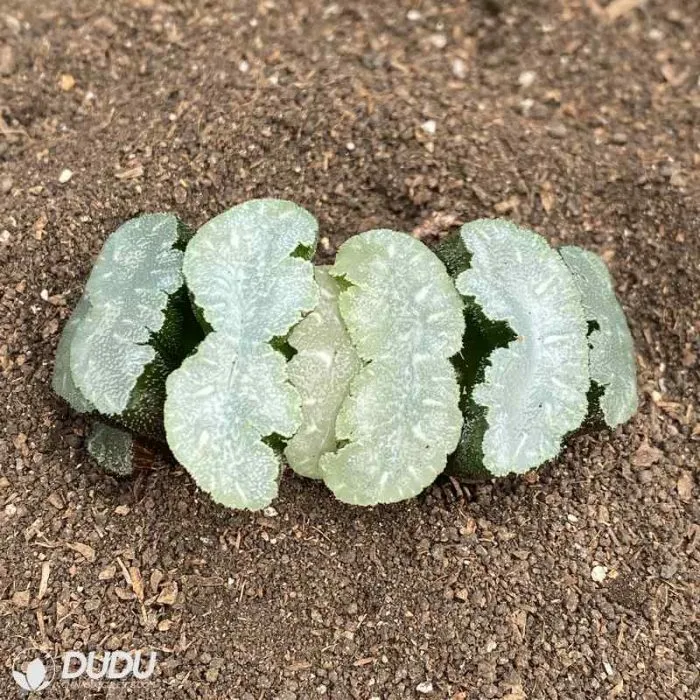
(611, 360)
(251, 282)
(133, 325)
(401, 417)
(526, 387)
(322, 369)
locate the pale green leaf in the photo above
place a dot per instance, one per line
(534, 390)
(321, 370)
(111, 448)
(401, 418)
(62, 382)
(234, 391)
(128, 290)
(612, 363)
(243, 273)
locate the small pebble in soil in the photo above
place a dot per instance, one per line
(527, 78)
(7, 60)
(525, 106)
(105, 26)
(599, 573)
(668, 571)
(439, 41)
(678, 179)
(67, 82)
(424, 688)
(65, 176)
(459, 68)
(556, 131)
(429, 126)
(646, 476)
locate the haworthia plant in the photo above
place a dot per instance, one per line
(112, 449)
(401, 417)
(321, 370)
(132, 326)
(533, 390)
(372, 371)
(612, 363)
(249, 279)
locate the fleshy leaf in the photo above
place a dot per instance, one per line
(250, 288)
(133, 325)
(62, 382)
(401, 418)
(612, 362)
(481, 338)
(321, 370)
(243, 273)
(128, 291)
(534, 390)
(112, 449)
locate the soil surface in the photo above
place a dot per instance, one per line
(576, 583)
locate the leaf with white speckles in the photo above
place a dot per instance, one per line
(111, 448)
(62, 382)
(250, 286)
(134, 324)
(401, 418)
(321, 370)
(612, 364)
(128, 289)
(534, 390)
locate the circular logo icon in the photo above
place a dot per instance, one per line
(33, 670)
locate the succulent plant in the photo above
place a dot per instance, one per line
(371, 374)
